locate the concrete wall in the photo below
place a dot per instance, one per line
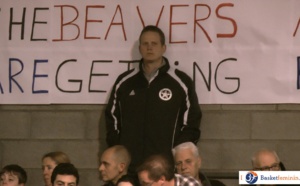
(230, 134)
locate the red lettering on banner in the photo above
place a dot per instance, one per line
(118, 9)
(175, 23)
(70, 23)
(196, 21)
(226, 18)
(142, 20)
(296, 30)
(90, 21)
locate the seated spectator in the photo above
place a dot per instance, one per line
(13, 175)
(188, 162)
(159, 170)
(50, 161)
(114, 164)
(127, 180)
(65, 174)
(265, 160)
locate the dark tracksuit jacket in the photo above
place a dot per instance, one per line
(151, 117)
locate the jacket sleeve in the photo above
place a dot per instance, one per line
(112, 118)
(190, 130)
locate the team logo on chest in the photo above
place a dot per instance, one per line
(165, 94)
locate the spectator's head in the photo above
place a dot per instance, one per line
(13, 175)
(128, 180)
(156, 169)
(50, 161)
(65, 174)
(187, 159)
(265, 160)
(114, 163)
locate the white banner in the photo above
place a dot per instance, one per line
(71, 51)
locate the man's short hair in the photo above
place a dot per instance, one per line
(15, 170)
(158, 166)
(65, 169)
(152, 28)
(186, 145)
(121, 154)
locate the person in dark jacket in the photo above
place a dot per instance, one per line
(267, 160)
(188, 162)
(153, 108)
(114, 164)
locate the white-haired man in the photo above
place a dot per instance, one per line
(188, 162)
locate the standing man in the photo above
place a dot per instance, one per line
(153, 108)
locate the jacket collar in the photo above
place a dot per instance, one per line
(162, 69)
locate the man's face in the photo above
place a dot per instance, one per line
(187, 164)
(65, 180)
(267, 161)
(109, 167)
(151, 48)
(9, 179)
